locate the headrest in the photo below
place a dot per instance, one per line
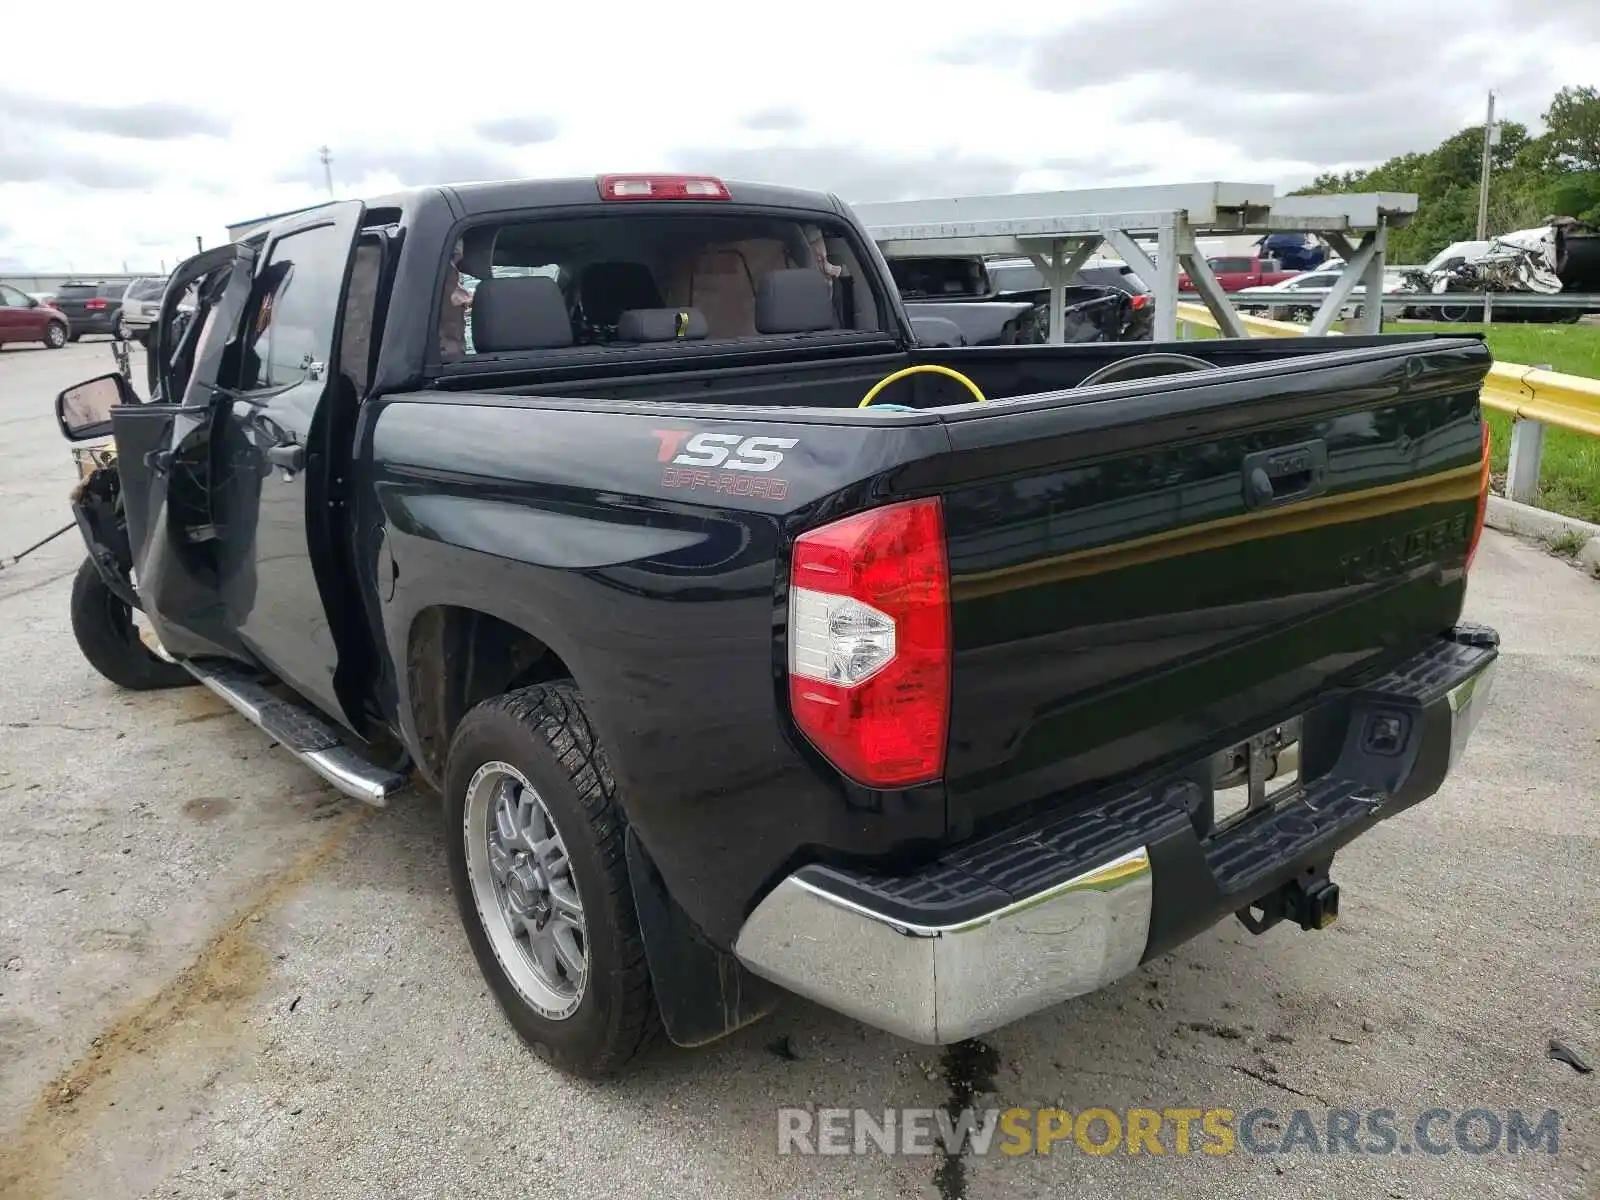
(521, 313)
(798, 300)
(607, 288)
(661, 325)
(477, 253)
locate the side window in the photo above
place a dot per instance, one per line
(11, 298)
(294, 309)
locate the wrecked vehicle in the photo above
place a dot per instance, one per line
(1547, 260)
(752, 647)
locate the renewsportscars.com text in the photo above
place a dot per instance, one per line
(1168, 1131)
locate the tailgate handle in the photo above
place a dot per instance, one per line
(1285, 474)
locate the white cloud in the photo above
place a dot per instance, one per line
(218, 117)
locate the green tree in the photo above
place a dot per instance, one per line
(1573, 119)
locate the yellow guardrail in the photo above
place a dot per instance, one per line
(1550, 397)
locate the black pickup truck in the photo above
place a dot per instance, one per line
(938, 709)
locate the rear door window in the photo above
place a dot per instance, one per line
(296, 307)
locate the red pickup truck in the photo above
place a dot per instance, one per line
(1235, 274)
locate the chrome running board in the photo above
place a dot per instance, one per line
(305, 734)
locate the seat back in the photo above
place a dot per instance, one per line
(524, 313)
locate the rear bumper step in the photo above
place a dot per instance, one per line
(1025, 918)
(303, 733)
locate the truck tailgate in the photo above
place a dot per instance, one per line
(1145, 574)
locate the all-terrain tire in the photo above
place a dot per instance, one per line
(103, 626)
(544, 732)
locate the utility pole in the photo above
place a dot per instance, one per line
(1490, 138)
(327, 167)
(197, 246)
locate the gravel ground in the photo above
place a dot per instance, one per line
(219, 979)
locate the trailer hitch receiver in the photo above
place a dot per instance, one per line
(1310, 900)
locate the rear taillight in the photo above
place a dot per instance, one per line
(1139, 301)
(1483, 501)
(869, 643)
(662, 187)
(94, 305)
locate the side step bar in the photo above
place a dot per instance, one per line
(303, 733)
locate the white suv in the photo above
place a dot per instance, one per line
(140, 305)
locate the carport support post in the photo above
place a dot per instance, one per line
(1162, 276)
(1362, 265)
(1057, 274)
(1205, 282)
(1165, 279)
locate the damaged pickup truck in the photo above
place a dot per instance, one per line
(753, 647)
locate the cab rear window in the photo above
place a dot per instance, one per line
(630, 280)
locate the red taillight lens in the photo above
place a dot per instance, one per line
(1483, 501)
(662, 187)
(1139, 301)
(94, 305)
(869, 643)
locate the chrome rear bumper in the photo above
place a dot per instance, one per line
(941, 984)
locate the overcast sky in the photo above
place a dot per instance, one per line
(122, 140)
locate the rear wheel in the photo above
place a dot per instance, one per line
(103, 626)
(55, 335)
(534, 837)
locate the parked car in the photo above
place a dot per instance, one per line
(24, 319)
(1005, 301)
(1279, 302)
(938, 715)
(140, 303)
(1237, 273)
(92, 307)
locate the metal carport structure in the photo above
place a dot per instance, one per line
(1059, 231)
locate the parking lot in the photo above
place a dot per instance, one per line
(220, 979)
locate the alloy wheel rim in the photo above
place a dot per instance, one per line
(524, 890)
